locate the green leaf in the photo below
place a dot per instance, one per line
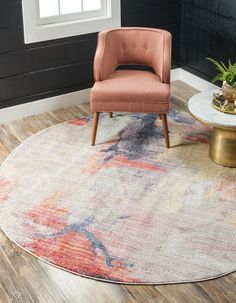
(227, 74)
(224, 66)
(217, 64)
(217, 78)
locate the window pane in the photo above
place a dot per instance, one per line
(70, 6)
(48, 8)
(90, 5)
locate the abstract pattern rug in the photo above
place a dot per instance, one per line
(127, 210)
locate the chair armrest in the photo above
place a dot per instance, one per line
(162, 63)
(105, 62)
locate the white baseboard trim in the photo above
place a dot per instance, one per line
(175, 74)
(46, 105)
(195, 81)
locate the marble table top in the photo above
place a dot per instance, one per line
(200, 106)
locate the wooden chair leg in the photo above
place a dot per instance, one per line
(95, 127)
(111, 115)
(160, 116)
(166, 130)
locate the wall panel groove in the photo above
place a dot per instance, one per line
(46, 57)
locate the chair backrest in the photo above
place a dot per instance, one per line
(130, 45)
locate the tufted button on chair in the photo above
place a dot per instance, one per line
(132, 90)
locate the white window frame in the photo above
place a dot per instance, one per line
(73, 16)
(48, 28)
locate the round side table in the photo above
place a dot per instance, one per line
(223, 141)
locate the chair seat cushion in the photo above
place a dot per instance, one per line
(131, 90)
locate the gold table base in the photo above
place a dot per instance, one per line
(223, 146)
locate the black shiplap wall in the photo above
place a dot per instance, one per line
(36, 71)
(208, 30)
(164, 14)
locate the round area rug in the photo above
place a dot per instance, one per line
(127, 210)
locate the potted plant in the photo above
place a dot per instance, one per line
(225, 100)
(226, 74)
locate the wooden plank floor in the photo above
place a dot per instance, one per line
(26, 279)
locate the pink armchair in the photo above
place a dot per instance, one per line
(132, 90)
